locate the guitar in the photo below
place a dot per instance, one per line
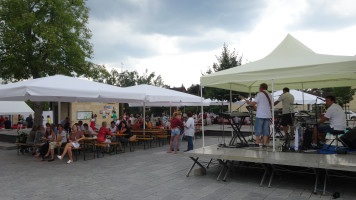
(241, 97)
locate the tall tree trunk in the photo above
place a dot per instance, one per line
(37, 107)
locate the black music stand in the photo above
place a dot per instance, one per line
(237, 134)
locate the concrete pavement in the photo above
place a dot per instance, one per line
(145, 174)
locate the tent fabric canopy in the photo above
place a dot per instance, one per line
(66, 89)
(154, 94)
(14, 108)
(291, 64)
(298, 97)
(206, 102)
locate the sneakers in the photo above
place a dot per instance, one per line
(69, 161)
(264, 146)
(314, 146)
(255, 145)
(59, 157)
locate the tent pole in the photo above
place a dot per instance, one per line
(202, 115)
(249, 92)
(230, 99)
(170, 112)
(232, 132)
(303, 94)
(59, 112)
(144, 116)
(274, 144)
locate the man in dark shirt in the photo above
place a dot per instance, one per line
(7, 123)
(29, 121)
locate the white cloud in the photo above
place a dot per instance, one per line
(182, 58)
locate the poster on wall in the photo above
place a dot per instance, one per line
(100, 111)
(84, 115)
(107, 108)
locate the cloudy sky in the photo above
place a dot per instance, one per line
(179, 39)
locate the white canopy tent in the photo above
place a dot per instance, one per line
(291, 64)
(206, 102)
(14, 108)
(66, 89)
(299, 99)
(155, 96)
(61, 88)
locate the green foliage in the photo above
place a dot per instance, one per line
(126, 78)
(343, 95)
(43, 37)
(226, 60)
(194, 89)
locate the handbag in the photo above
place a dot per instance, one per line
(132, 138)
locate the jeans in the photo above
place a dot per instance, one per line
(190, 142)
(179, 141)
(325, 128)
(262, 123)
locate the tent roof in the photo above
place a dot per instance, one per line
(14, 108)
(298, 97)
(157, 94)
(66, 89)
(291, 64)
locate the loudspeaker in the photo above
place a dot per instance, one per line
(349, 139)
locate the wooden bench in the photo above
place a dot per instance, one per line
(163, 138)
(144, 140)
(100, 146)
(132, 144)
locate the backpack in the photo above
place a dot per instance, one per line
(22, 137)
(307, 139)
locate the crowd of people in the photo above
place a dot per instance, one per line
(46, 139)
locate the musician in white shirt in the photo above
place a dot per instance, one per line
(335, 114)
(263, 114)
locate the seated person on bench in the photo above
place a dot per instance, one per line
(335, 114)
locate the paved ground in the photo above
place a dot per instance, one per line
(144, 174)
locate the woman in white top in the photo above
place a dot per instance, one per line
(189, 131)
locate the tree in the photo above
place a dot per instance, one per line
(226, 60)
(343, 95)
(127, 78)
(194, 89)
(44, 37)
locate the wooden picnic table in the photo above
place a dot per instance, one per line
(120, 134)
(86, 141)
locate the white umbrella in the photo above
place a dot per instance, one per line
(61, 88)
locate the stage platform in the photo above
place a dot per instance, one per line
(273, 162)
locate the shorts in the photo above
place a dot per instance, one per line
(75, 144)
(324, 128)
(175, 131)
(262, 124)
(53, 145)
(287, 119)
